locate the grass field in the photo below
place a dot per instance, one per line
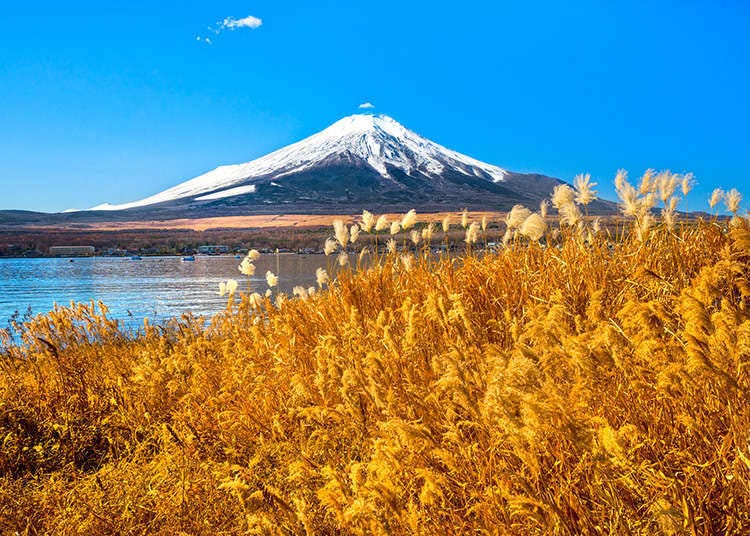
(291, 231)
(581, 380)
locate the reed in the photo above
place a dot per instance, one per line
(576, 381)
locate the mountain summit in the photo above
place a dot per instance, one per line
(360, 161)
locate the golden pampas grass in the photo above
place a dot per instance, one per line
(343, 259)
(584, 189)
(271, 279)
(382, 223)
(322, 277)
(368, 221)
(256, 300)
(566, 388)
(409, 219)
(362, 254)
(507, 236)
(407, 261)
(647, 185)
(715, 197)
(628, 196)
(253, 255)
(666, 185)
(427, 232)
(516, 216)
(643, 226)
(533, 227)
(562, 195)
(570, 214)
(687, 183)
(247, 267)
(732, 200)
(415, 236)
(472, 233)
(395, 228)
(543, 208)
(353, 233)
(341, 232)
(446, 224)
(668, 217)
(391, 246)
(330, 246)
(620, 178)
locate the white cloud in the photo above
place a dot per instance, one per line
(366, 106)
(230, 23)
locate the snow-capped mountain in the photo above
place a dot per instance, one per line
(377, 141)
(362, 161)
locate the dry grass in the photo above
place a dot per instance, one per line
(598, 385)
(266, 221)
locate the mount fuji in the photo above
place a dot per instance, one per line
(363, 161)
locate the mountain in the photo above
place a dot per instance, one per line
(361, 161)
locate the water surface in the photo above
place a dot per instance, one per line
(155, 287)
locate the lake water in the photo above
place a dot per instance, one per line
(155, 287)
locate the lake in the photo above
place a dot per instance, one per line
(155, 287)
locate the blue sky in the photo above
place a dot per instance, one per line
(113, 101)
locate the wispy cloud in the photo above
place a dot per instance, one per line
(366, 106)
(230, 23)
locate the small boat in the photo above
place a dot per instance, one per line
(188, 258)
(135, 258)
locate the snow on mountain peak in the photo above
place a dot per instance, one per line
(377, 140)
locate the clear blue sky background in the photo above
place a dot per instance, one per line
(113, 101)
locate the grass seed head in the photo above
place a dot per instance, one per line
(416, 236)
(409, 219)
(716, 196)
(446, 224)
(368, 221)
(247, 267)
(382, 223)
(732, 200)
(322, 277)
(563, 195)
(341, 232)
(584, 189)
(533, 227)
(330, 246)
(354, 233)
(687, 183)
(516, 216)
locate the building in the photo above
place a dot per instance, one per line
(213, 250)
(71, 251)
